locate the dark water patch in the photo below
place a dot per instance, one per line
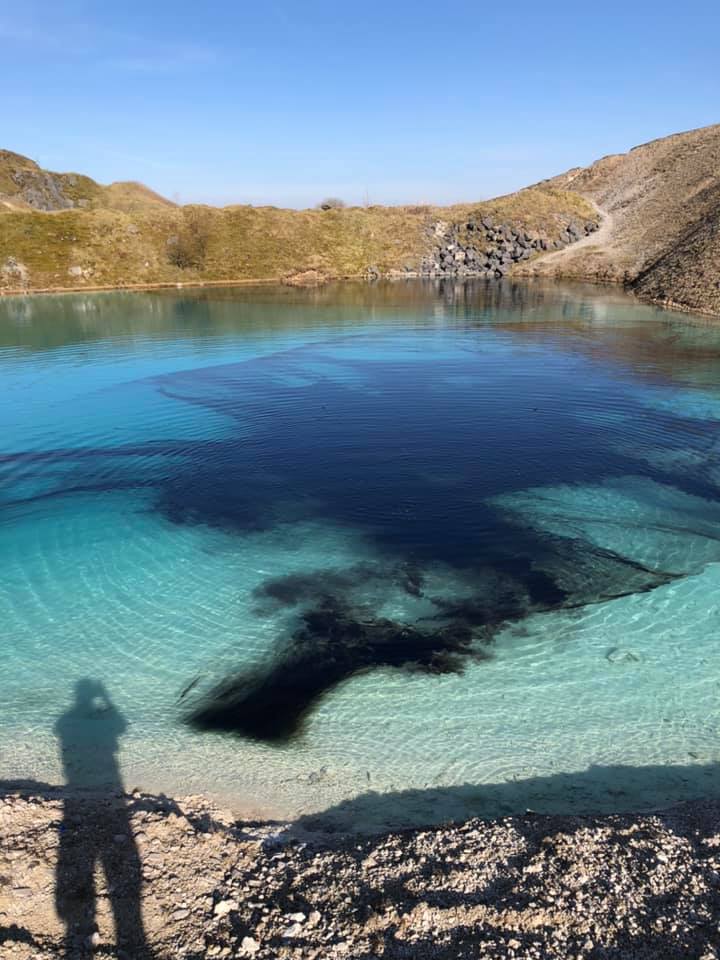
(291, 589)
(411, 453)
(338, 639)
(270, 703)
(408, 453)
(587, 573)
(66, 490)
(150, 448)
(311, 586)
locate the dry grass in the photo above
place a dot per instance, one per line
(133, 240)
(131, 197)
(9, 162)
(125, 234)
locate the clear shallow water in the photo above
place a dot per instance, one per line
(499, 503)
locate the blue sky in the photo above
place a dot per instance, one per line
(276, 102)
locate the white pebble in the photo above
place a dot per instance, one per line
(224, 907)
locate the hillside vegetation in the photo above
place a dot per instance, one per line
(65, 230)
(658, 207)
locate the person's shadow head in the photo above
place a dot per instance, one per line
(89, 732)
(96, 828)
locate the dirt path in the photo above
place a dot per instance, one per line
(600, 239)
(581, 259)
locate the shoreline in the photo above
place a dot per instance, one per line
(139, 287)
(531, 886)
(663, 304)
(320, 823)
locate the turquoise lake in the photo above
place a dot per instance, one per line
(366, 555)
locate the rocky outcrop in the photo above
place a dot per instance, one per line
(41, 190)
(480, 247)
(14, 274)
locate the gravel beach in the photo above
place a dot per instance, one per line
(184, 879)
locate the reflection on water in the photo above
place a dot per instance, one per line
(380, 535)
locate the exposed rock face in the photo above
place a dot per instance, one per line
(482, 248)
(41, 190)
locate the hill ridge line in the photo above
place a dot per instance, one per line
(657, 207)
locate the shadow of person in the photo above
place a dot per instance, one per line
(95, 829)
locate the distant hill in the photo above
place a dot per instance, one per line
(658, 207)
(26, 186)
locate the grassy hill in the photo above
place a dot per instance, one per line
(65, 230)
